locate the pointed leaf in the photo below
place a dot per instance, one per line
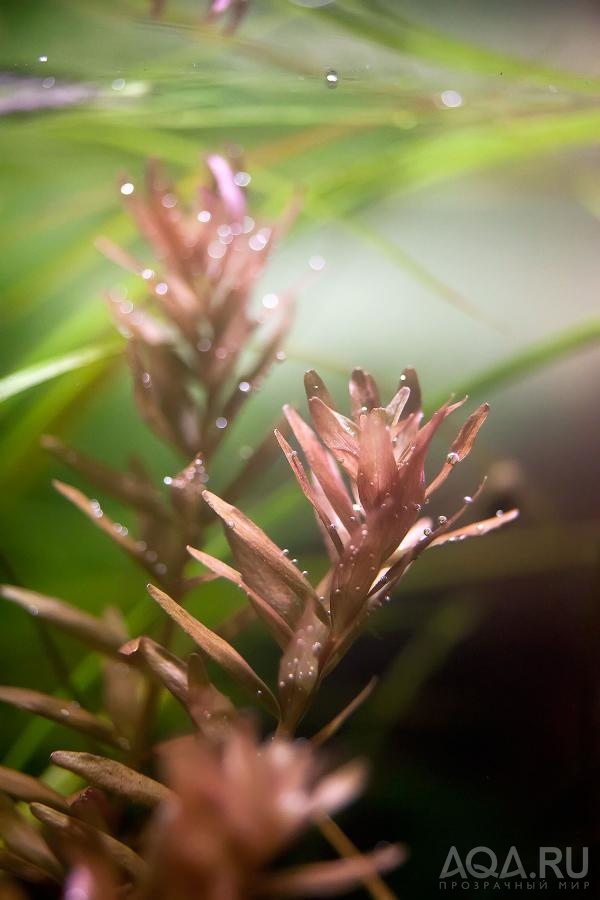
(309, 493)
(115, 531)
(264, 567)
(19, 836)
(337, 432)
(377, 476)
(327, 879)
(168, 668)
(323, 467)
(29, 789)
(128, 488)
(278, 627)
(74, 830)
(315, 387)
(476, 529)
(217, 649)
(112, 776)
(91, 631)
(395, 407)
(336, 723)
(65, 712)
(364, 393)
(461, 446)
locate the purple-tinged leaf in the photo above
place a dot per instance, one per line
(217, 649)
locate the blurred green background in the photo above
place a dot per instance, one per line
(451, 184)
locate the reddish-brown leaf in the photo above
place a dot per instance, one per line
(217, 649)
(112, 776)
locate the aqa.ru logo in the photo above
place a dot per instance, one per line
(482, 863)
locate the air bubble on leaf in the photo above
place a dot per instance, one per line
(316, 263)
(242, 179)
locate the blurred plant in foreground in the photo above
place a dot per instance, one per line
(222, 805)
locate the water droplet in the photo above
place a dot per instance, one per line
(452, 458)
(118, 84)
(204, 345)
(246, 452)
(43, 58)
(427, 532)
(499, 512)
(270, 301)
(280, 356)
(204, 216)
(160, 569)
(244, 386)
(331, 78)
(451, 99)
(147, 380)
(221, 422)
(127, 188)
(48, 82)
(285, 552)
(96, 509)
(161, 288)
(442, 520)
(147, 274)
(317, 647)
(242, 179)
(169, 201)
(151, 556)
(468, 499)
(316, 263)
(167, 480)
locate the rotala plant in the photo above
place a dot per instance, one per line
(210, 814)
